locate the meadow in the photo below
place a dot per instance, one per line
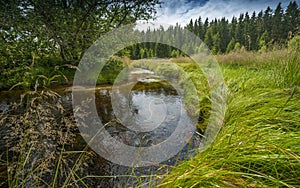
(259, 142)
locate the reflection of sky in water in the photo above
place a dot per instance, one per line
(157, 110)
(146, 114)
(151, 109)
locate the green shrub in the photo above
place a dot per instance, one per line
(111, 70)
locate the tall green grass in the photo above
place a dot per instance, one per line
(259, 143)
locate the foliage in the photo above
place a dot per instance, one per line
(33, 76)
(111, 70)
(63, 29)
(72, 26)
(294, 44)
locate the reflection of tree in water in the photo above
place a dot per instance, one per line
(103, 104)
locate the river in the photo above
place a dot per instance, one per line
(153, 102)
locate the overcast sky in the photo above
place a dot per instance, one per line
(181, 11)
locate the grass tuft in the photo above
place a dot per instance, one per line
(258, 145)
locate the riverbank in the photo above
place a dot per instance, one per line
(44, 74)
(258, 145)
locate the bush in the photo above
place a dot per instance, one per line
(294, 44)
(111, 70)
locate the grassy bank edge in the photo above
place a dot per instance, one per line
(258, 145)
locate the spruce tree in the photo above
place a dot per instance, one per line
(277, 24)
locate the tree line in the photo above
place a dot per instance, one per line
(256, 32)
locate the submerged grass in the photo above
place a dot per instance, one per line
(259, 143)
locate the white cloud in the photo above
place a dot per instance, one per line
(183, 10)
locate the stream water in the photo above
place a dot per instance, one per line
(152, 102)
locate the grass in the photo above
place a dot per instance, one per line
(259, 143)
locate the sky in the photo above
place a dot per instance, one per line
(181, 11)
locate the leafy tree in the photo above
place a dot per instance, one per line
(174, 53)
(294, 44)
(237, 46)
(72, 25)
(230, 45)
(263, 44)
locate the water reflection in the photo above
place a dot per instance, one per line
(158, 109)
(154, 105)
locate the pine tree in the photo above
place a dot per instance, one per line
(208, 39)
(267, 20)
(239, 35)
(200, 29)
(190, 26)
(232, 27)
(253, 32)
(257, 32)
(216, 49)
(291, 19)
(205, 27)
(259, 28)
(277, 24)
(224, 34)
(247, 31)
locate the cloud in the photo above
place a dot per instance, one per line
(173, 12)
(182, 11)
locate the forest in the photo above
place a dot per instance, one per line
(262, 31)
